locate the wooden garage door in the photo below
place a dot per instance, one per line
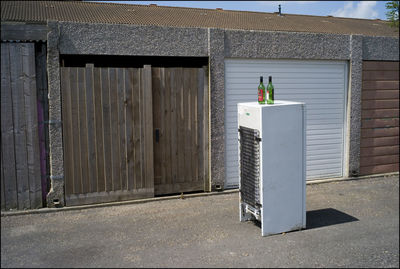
(107, 134)
(20, 155)
(180, 118)
(379, 151)
(131, 133)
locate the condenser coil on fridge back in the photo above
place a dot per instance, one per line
(272, 165)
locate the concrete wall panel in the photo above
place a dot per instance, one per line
(112, 39)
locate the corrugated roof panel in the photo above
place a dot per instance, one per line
(113, 13)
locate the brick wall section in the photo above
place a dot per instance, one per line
(379, 151)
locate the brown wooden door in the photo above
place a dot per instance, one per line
(180, 130)
(107, 134)
(20, 154)
(130, 133)
(379, 152)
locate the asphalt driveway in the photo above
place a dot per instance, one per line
(352, 223)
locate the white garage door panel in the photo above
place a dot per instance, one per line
(319, 84)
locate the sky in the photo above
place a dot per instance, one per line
(350, 9)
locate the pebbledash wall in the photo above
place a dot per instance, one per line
(217, 44)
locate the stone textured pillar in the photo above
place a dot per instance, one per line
(355, 104)
(217, 100)
(55, 197)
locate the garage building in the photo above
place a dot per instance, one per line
(141, 137)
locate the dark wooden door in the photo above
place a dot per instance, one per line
(180, 130)
(379, 152)
(20, 153)
(107, 134)
(130, 133)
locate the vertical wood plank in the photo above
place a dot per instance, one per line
(83, 131)
(105, 100)
(17, 81)
(163, 142)
(173, 126)
(206, 131)
(167, 126)
(140, 184)
(67, 130)
(98, 125)
(180, 124)
(129, 135)
(99, 185)
(142, 132)
(148, 129)
(2, 186)
(157, 119)
(91, 134)
(4, 83)
(7, 130)
(187, 124)
(200, 124)
(193, 122)
(122, 182)
(137, 128)
(31, 121)
(75, 130)
(114, 125)
(122, 102)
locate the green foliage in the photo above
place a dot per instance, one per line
(393, 13)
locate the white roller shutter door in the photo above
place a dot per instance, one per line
(322, 85)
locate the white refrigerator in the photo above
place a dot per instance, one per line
(272, 172)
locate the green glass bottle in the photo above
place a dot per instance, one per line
(270, 92)
(261, 92)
